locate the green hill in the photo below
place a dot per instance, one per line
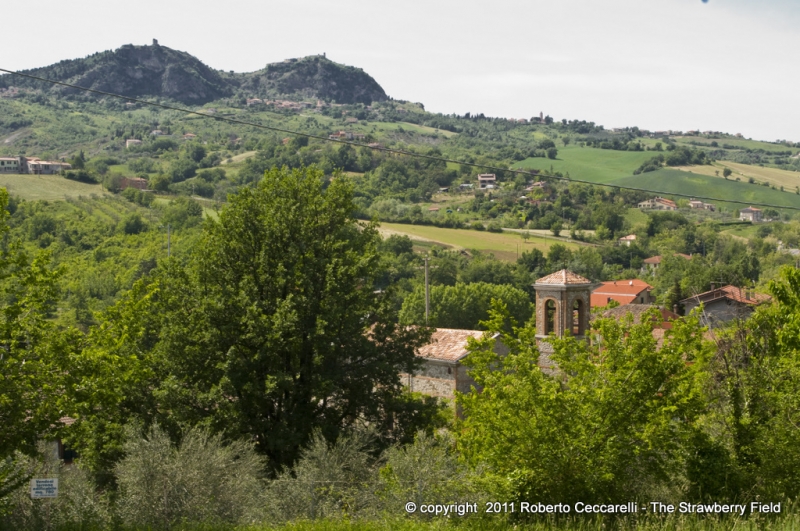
(675, 181)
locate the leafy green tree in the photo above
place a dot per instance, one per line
(463, 305)
(552, 153)
(726, 172)
(33, 356)
(272, 330)
(609, 425)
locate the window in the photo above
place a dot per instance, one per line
(549, 316)
(577, 318)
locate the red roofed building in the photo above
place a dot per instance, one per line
(623, 291)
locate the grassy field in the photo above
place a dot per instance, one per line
(674, 181)
(740, 143)
(50, 187)
(504, 246)
(774, 176)
(590, 164)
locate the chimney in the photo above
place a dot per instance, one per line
(713, 286)
(630, 282)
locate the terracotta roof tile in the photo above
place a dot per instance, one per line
(563, 277)
(448, 344)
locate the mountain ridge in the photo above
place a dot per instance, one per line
(159, 71)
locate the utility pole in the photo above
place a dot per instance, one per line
(169, 240)
(427, 292)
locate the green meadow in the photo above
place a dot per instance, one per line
(504, 245)
(590, 164)
(668, 181)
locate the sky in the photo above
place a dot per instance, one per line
(720, 65)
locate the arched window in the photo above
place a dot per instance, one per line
(549, 316)
(577, 318)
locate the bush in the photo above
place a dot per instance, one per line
(82, 176)
(201, 480)
(133, 224)
(329, 480)
(78, 505)
(494, 226)
(477, 225)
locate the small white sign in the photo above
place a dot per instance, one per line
(44, 488)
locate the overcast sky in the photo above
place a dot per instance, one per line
(727, 65)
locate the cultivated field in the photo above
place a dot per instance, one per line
(504, 246)
(590, 164)
(740, 143)
(49, 187)
(774, 176)
(671, 181)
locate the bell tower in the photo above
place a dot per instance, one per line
(562, 308)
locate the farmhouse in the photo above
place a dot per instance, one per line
(487, 181)
(699, 204)
(750, 214)
(725, 304)
(627, 240)
(45, 167)
(133, 182)
(10, 165)
(633, 291)
(653, 262)
(659, 203)
(132, 142)
(442, 372)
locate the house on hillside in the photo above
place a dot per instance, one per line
(442, 372)
(750, 214)
(632, 291)
(700, 205)
(652, 263)
(627, 240)
(132, 142)
(189, 136)
(722, 305)
(133, 182)
(659, 203)
(46, 167)
(10, 165)
(487, 181)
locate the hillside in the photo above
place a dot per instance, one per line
(313, 77)
(161, 72)
(676, 181)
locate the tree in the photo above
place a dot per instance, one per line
(556, 227)
(726, 172)
(610, 425)
(552, 153)
(463, 305)
(33, 355)
(272, 330)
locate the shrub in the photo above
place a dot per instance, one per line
(202, 480)
(494, 226)
(329, 480)
(78, 505)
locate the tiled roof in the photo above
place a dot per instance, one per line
(653, 260)
(622, 291)
(563, 277)
(731, 293)
(448, 344)
(628, 238)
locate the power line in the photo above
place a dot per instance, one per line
(389, 150)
